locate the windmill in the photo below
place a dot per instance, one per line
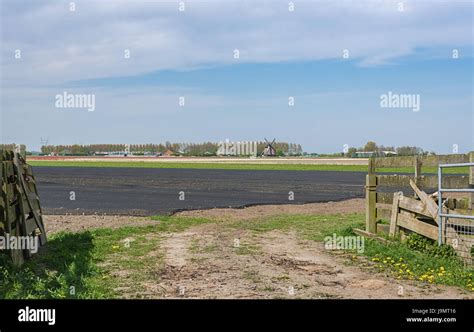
(269, 150)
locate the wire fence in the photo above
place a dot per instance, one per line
(457, 228)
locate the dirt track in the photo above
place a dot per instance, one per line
(204, 262)
(218, 260)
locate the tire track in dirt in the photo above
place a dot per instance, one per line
(216, 261)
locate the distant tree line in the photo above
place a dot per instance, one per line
(183, 149)
(13, 147)
(372, 146)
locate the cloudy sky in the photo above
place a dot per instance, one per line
(335, 58)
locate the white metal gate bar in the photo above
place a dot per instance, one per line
(440, 198)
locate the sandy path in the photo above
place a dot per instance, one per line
(215, 261)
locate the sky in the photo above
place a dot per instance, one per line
(334, 59)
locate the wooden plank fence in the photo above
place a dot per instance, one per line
(379, 204)
(20, 209)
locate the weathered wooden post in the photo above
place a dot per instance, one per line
(20, 209)
(418, 164)
(471, 180)
(370, 198)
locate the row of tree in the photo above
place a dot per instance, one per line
(184, 149)
(89, 150)
(206, 149)
(14, 147)
(372, 146)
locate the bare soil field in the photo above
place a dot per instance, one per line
(145, 192)
(355, 205)
(222, 260)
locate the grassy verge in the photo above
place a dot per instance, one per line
(417, 259)
(310, 227)
(421, 259)
(107, 263)
(276, 167)
(96, 264)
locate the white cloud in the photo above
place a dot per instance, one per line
(59, 46)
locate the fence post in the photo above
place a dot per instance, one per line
(418, 165)
(471, 180)
(417, 171)
(370, 198)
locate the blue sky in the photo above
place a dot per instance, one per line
(282, 54)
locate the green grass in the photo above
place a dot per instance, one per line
(426, 263)
(247, 249)
(310, 227)
(88, 260)
(417, 258)
(278, 167)
(100, 264)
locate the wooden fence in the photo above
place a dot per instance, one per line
(20, 209)
(379, 203)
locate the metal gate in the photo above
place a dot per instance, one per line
(456, 230)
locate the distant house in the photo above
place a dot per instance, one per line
(168, 153)
(369, 154)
